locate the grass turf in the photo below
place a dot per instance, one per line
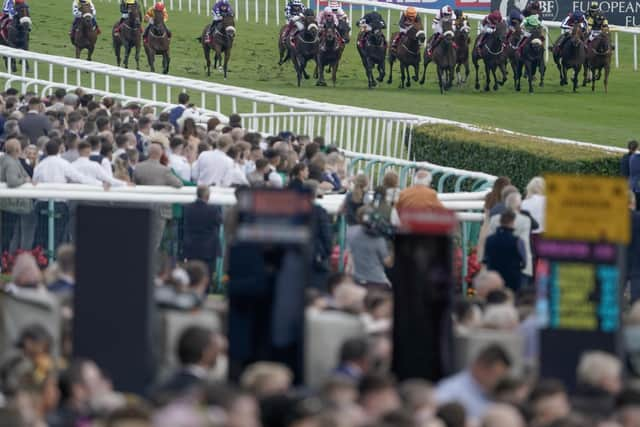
(609, 119)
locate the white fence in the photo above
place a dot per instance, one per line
(260, 11)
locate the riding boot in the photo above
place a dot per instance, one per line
(434, 44)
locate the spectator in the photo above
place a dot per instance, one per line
(71, 142)
(197, 353)
(177, 161)
(299, 174)
(369, 252)
(505, 252)
(266, 379)
(522, 229)
(257, 178)
(486, 281)
(66, 271)
(634, 176)
(378, 396)
(272, 177)
(240, 406)
(18, 218)
(322, 241)
(473, 387)
(186, 289)
(235, 121)
(215, 167)
(30, 159)
(176, 112)
(202, 223)
(501, 206)
(354, 358)
(502, 317)
(386, 196)
(35, 124)
(96, 156)
(632, 146)
(633, 252)
(75, 124)
(355, 199)
(92, 169)
(238, 175)
(599, 377)
(467, 316)
(502, 415)
(57, 103)
(419, 400)
(549, 403)
(452, 414)
(535, 202)
(151, 172)
(419, 195)
(121, 169)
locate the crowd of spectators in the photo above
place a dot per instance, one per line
(71, 137)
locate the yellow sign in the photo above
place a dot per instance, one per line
(588, 208)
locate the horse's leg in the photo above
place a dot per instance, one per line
(476, 66)
(391, 61)
(439, 71)
(151, 58)
(381, 72)
(585, 73)
(401, 86)
(495, 78)
(407, 75)
(334, 72)
(227, 55)
(127, 53)
(530, 71)
(487, 73)
(424, 72)
(166, 60)
(543, 68)
(207, 58)
(90, 52)
(416, 67)
(320, 72)
(576, 73)
(593, 81)
(503, 70)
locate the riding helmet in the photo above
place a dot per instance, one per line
(411, 12)
(594, 6)
(578, 15)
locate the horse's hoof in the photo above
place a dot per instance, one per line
(541, 84)
(408, 84)
(517, 89)
(373, 84)
(486, 89)
(321, 84)
(531, 90)
(495, 88)
(477, 86)
(415, 79)
(389, 81)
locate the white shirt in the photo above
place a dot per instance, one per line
(238, 176)
(94, 170)
(213, 168)
(535, 205)
(55, 169)
(275, 180)
(181, 166)
(106, 164)
(117, 154)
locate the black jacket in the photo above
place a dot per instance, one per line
(201, 231)
(505, 254)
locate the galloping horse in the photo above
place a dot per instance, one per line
(129, 36)
(158, 43)
(598, 58)
(462, 40)
(304, 46)
(221, 42)
(408, 54)
(16, 34)
(572, 55)
(513, 42)
(493, 55)
(86, 34)
(329, 52)
(345, 30)
(372, 51)
(531, 57)
(444, 55)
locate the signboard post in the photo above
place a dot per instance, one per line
(579, 275)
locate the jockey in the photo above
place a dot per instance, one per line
(574, 18)
(293, 12)
(220, 10)
(531, 24)
(461, 20)
(443, 14)
(532, 8)
(9, 9)
(488, 26)
(407, 20)
(325, 16)
(340, 13)
(124, 13)
(515, 22)
(76, 9)
(371, 19)
(596, 20)
(148, 17)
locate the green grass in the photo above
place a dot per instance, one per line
(609, 119)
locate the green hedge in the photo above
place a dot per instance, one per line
(497, 153)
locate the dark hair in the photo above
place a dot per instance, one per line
(202, 147)
(261, 163)
(629, 396)
(295, 171)
(196, 270)
(176, 141)
(34, 332)
(143, 121)
(121, 140)
(74, 117)
(462, 308)
(52, 148)
(632, 145)
(354, 349)
(545, 388)
(507, 217)
(334, 280)
(192, 344)
(495, 196)
(224, 395)
(493, 354)
(59, 93)
(106, 148)
(375, 382)
(235, 120)
(311, 150)
(84, 145)
(201, 191)
(34, 100)
(95, 142)
(183, 98)
(497, 296)
(452, 414)
(233, 152)
(102, 122)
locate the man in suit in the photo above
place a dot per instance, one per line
(152, 172)
(197, 352)
(202, 228)
(34, 124)
(16, 211)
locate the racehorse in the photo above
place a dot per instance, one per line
(598, 58)
(572, 55)
(86, 34)
(492, 53)
(513, 42)
(444, 55)
(345, 30)
(531, 57)
(16, 34)
(129, 36)
(329, 52)
(158, 43)
(221, 42)
(408, 54)
(461, 40)
(372, 50)
(304, 47)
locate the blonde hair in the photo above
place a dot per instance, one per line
(261, 376)
(596, 366)
(360, 185)
(535, 186)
